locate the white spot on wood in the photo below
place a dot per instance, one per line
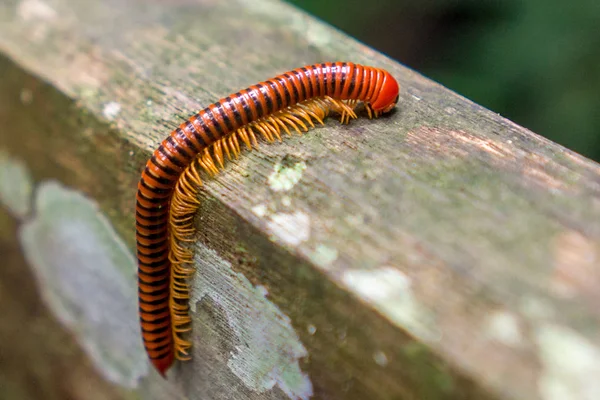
(35, 10)
(389, 290)
(271, 350)
(378, 284)
(504, 327)
(571, 365)
(292, 229)
(380, 358)
(111, 110)
(324, 256)
(39, 18)
(260, 210)
(16, 186)
(263, 290)
(284, 178)
(311, 329)
(86, 275)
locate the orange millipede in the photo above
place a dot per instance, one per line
(167, 200)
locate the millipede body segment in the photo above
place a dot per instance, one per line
(167, 191)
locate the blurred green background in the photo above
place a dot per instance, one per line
(536, 62)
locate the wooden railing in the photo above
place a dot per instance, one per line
(441, 252)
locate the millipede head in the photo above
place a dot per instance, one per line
(387, 97)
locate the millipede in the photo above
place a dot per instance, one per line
(167, 196)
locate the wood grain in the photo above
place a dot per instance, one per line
(442, 252)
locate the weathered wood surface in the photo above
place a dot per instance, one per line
(443, 252)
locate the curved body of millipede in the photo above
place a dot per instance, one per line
(167, 191)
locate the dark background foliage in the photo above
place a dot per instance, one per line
(536, 62)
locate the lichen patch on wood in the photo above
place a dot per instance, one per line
(269, 349)
(86, 275)
(16, 185)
